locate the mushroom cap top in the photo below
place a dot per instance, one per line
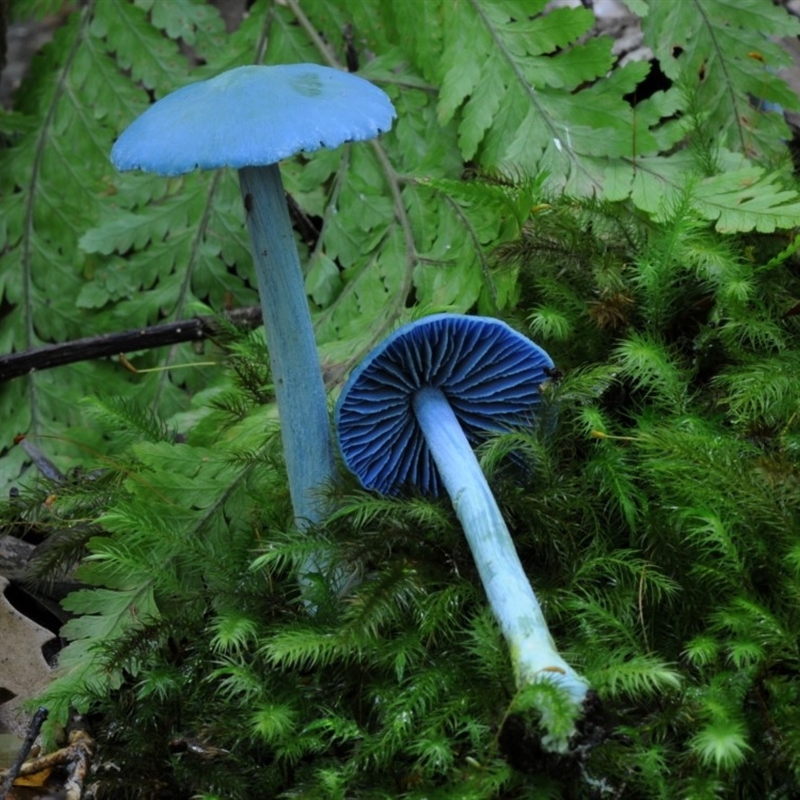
(489, 373)
(253, 116)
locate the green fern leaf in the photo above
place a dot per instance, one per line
(106, 615)
(23, 10)
(75, 98)
(194, 22)
(517, 98)
(184, 242)
(727, 43)
(747, 199)
(475, 215)
(121, 610)
(153, 59)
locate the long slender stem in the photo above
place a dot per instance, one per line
(299, 390)
(510, 595)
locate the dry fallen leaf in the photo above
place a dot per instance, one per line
(24, 672)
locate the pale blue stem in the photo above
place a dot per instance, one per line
(299, 390)
(533, 653)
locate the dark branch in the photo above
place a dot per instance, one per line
(33, 731)
(112, 344)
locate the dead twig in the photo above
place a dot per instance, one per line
(19, 762)
(76, 757)
(112, 344)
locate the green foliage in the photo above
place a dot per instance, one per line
(694, 458)
(727, 44)
(656, 525)
(648, 247)
(390, 228)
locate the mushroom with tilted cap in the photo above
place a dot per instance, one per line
(250, 118)
(406, 417)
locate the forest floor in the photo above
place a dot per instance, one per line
(25, 39)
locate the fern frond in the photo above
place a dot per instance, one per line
(730, 42)
(747, 199)
(22, 10)
(516, 76)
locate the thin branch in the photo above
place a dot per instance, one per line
(33, 731)
(112, 344)
(325, 50)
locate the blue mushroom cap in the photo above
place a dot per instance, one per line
(253, 116)
(489, 373)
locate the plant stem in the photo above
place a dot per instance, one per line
(299, 390)
(510, 595)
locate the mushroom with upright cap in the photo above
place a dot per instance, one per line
(406, 417)
(250, 118)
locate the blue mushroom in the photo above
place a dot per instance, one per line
(250, 118)
(409, 416)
